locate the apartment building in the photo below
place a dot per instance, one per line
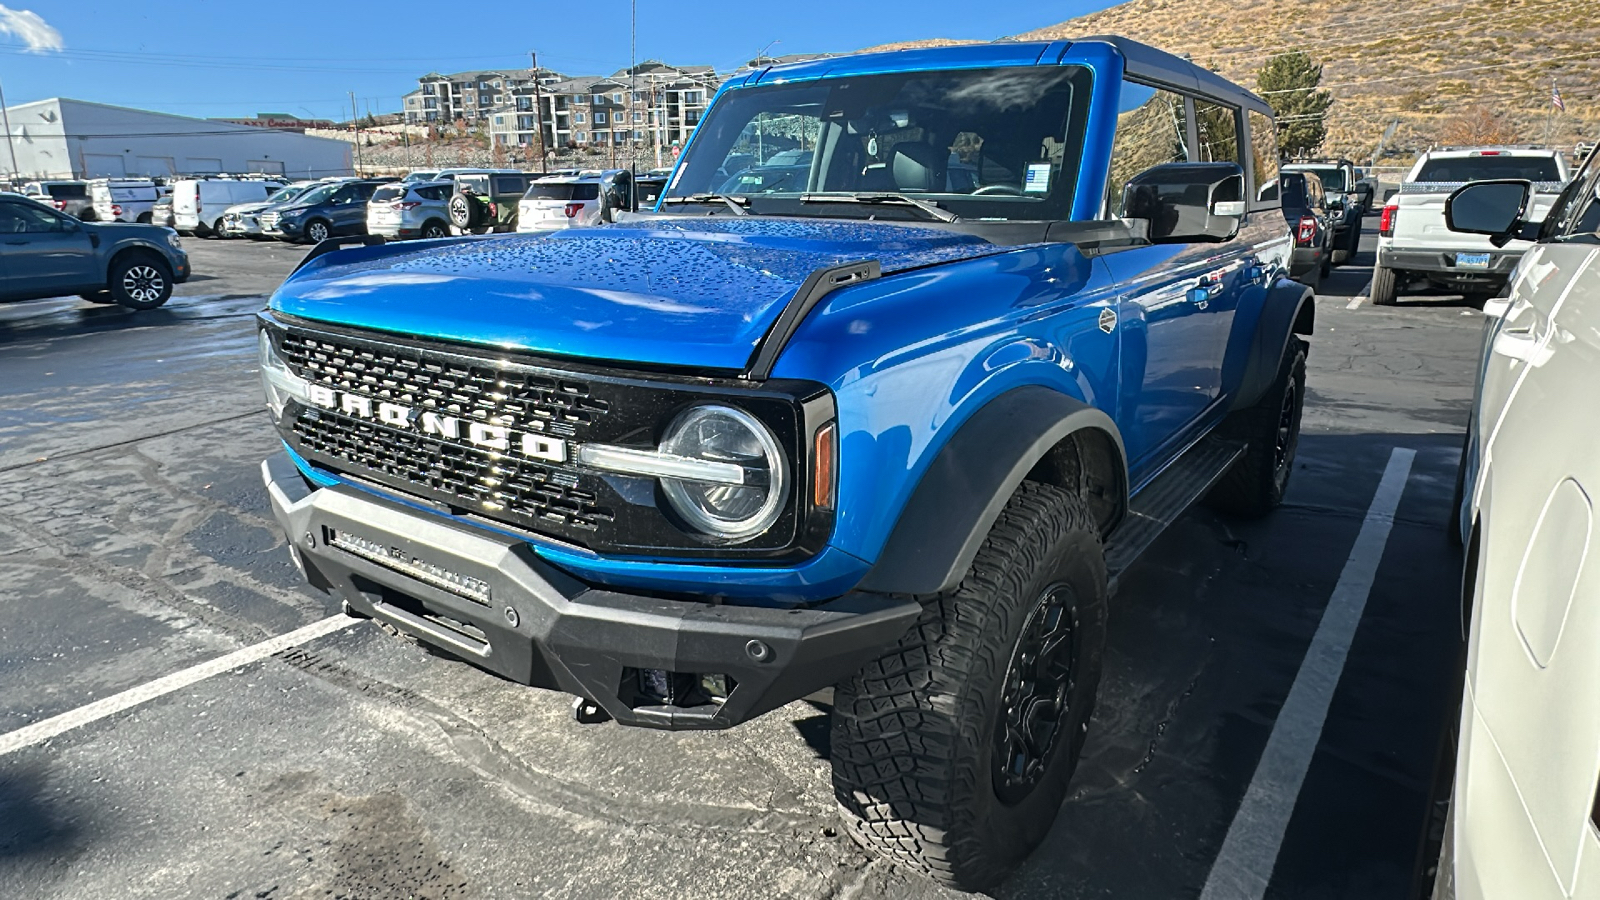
(468, 96)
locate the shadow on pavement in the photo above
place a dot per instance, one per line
(29, 827)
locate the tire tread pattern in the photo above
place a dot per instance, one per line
(908, 728)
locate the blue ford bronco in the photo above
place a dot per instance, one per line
(891, 424)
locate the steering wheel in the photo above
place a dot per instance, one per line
(1005, 189)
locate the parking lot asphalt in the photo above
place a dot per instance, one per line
(136, 542)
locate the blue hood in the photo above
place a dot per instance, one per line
(695, 292)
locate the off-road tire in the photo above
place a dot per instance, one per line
(916, 734)
(1383, 290)
(140, 280)
(1254, 486)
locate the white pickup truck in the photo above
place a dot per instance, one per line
(1415, 246)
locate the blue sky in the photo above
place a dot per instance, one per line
(233, 58)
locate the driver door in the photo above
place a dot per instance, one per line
(46, 253)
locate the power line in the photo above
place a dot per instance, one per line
(1521, 62)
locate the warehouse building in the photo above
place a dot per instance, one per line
(60, 138)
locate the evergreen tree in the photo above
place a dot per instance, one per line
(1289, 82)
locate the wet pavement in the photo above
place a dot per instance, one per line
(135, 542)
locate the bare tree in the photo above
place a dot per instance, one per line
(1478, 126)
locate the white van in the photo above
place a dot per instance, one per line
(123, 199)
(198, 204)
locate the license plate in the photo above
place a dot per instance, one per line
(1472, 260)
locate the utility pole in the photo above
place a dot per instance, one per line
(356, 121)
(633, 86)
(11, 143)
(538, 114)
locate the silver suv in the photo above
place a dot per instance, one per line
(410, 209)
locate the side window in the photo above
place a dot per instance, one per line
(1263, 153)
(1219, 132)
(343, 195)
(20, 218)
(1152, 128)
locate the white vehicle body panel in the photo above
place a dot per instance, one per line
(123, 201)
(201, 202)
(1523, 809)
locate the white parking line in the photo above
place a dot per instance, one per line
(1250, 851)
(1366, 291)
(44, 730)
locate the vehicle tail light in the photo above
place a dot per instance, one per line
(116, 209)
(1386, 220)
(1305, 231)
(494, 211)
(573, 209)
(406, 204)
(1487, 153)
(60, 205)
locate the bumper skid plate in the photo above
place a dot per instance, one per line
(489, 600)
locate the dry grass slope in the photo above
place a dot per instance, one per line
(1420, 63)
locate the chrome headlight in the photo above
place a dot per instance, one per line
(720, 468)
(726, 509)
(174, 241)
(279, 384)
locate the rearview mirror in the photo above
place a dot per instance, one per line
(1495, 208)
(1187, 202)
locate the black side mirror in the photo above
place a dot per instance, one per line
(1187, 203)
(1495, 208)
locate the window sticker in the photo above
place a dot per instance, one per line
(1038, 179)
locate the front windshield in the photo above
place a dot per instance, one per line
(290, 193)
(317, 194)
(998, 143)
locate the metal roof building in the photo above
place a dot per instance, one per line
(61, 138)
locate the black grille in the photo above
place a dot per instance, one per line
(580, 404)
(460, 388)
(475, 478)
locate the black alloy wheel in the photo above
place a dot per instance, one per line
(1037, 691)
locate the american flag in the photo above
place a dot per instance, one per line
(1555, 97)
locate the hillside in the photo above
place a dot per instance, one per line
(1420, 63)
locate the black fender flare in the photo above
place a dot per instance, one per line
(970, 481)
(1290, 309)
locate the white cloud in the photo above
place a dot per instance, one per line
(33, 30)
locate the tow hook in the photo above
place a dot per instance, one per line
(588, 712)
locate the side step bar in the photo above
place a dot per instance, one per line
(1165, 498)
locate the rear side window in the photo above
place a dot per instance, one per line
(476, 183)
(1219, 132)
(389, 192)
(437, 192)
(68, 191)
(566, 192)
(509, 185)
(1482, 168)
(1263, 153)
(1152, 129)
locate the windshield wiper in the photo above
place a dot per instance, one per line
(737, 204)
(870, 197)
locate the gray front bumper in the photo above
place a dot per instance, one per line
(540, 627)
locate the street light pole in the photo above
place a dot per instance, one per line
(11, 144)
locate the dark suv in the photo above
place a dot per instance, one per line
(338, 208)
(486, 202)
